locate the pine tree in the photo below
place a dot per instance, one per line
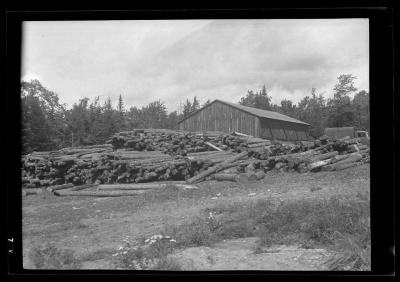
(120, 104)
(187, 108)
(195, 104)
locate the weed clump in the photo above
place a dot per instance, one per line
(51, 257)
(342, 225)
(151, 254)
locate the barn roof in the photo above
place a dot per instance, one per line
(255, 112)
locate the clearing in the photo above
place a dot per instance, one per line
(94, 228)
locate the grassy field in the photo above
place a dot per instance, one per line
(277, 219)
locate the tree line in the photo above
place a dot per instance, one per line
(319, 112)
(47, 124)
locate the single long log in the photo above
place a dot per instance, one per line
(324, 156)
(212, 146)
(261, 144)
(352, 159)
(59, 187)
(226, 177)
(82, 187)
(145, 186)
(315, 165)
(247, 177)
(98, 193)
(240, 134)
(217, 167)
(254, 140)
(324, 146)
(211, 153)
(338, 158)
(32, 191)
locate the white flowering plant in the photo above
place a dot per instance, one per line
(145, 254)
(212, 221)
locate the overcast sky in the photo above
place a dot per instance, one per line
(172, 60)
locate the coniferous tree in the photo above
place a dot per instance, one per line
(206, 103)
(259, 100)
(187, 108)
(195, 104)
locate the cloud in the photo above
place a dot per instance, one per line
(174, 60)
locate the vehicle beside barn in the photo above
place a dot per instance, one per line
(228, 117)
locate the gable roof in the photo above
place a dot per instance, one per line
(253, 111)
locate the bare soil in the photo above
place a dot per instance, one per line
(95, 227)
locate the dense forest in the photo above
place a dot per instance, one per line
(47, 124)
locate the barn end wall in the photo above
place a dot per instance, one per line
(221, 117)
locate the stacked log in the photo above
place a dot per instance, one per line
(325, 155)
(150, 155)
(109, 167)
(221, 166)
(167, 141)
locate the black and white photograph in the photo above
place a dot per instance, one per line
(196, 144)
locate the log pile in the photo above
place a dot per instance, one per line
(140, 156)
(182, 143)
(51, 168)
(321, 155)
(167, 141)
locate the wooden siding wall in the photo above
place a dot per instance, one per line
(221, 117)
(280, 130)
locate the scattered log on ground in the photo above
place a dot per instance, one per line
(318, 164)
(146, 186)
(98, 193)
(339, 158)
(354, 158)
(35, 191)
(226, 177)
(82, 187)
(246, 178)
(340, 164)
(60, 187)
(324, 156)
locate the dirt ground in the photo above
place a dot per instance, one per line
(95, 227)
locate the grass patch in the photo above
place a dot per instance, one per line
(149, 254)
(51, 257)
(96, 255)
(342, 225)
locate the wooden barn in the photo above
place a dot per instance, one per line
(228, 117)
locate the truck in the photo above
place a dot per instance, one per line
(340, 132)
